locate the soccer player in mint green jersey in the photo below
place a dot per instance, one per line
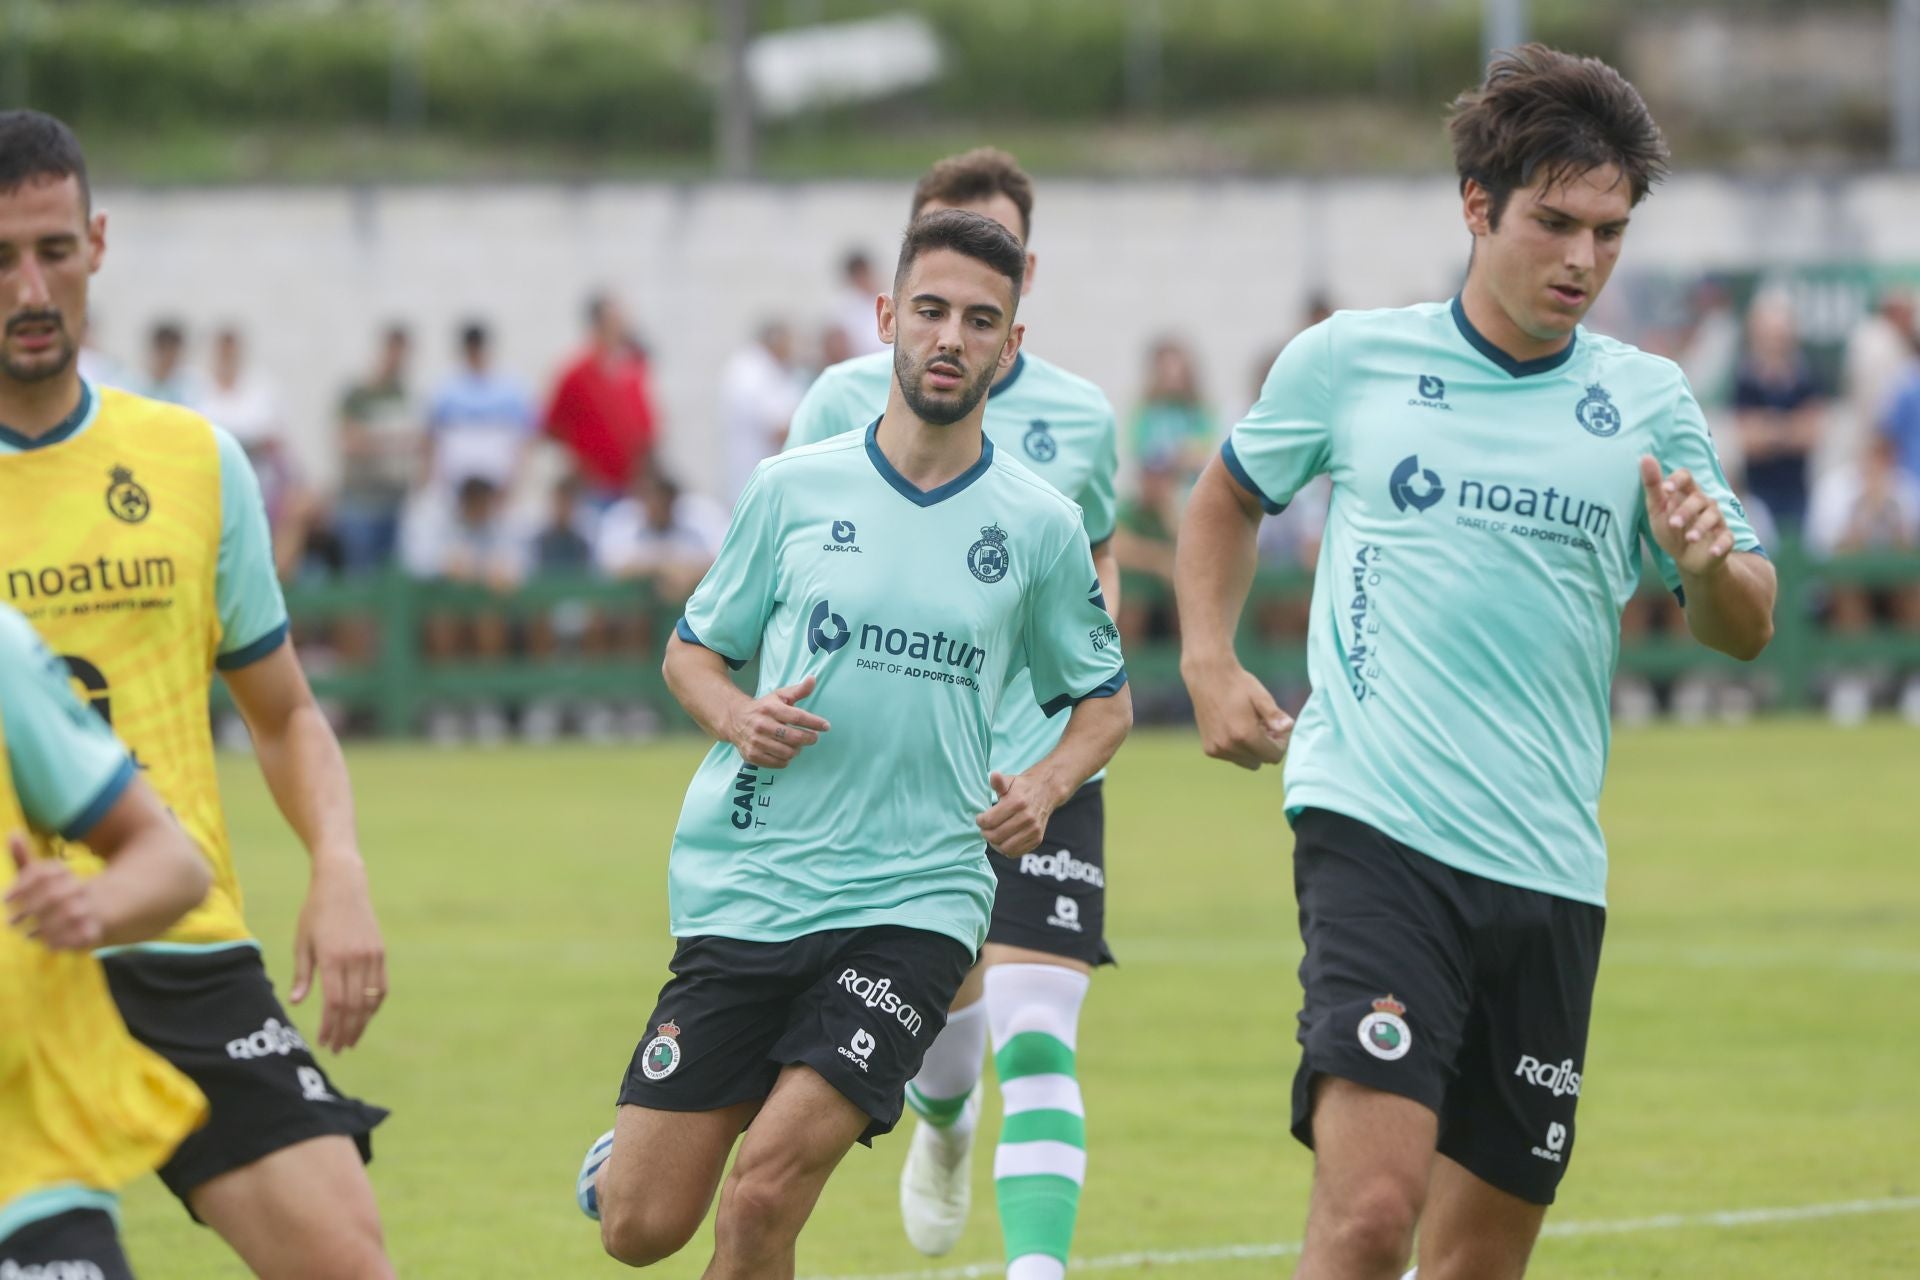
(1049, 914)
(828, 882)
(1495, 469)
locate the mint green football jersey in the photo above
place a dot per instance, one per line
(1058, 424)
(1484, 535)
(912, 609)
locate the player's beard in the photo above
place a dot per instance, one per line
(48, 364)
(940, 410)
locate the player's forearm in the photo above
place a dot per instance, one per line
(154, 874)
(1213, 566)
(1107, 569)
(697, 678)
(301, 760)
(1731, 609)
(1094, 731)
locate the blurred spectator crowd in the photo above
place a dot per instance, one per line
(481, 482)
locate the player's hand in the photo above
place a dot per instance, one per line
(339, 938)
(1019, 817)
(770, 730)
(1685, 521)
(1239, 720)
(49, 903)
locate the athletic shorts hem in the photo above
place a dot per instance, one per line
(184, 1177)
(1399, 1085)
(1535, 1182)
(1014, 933)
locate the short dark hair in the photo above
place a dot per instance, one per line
(473, 333)
(972, 234)
(167, 333)
(33, 146)
(976, 175)
(1543, 114)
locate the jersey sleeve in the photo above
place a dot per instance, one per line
(832, 406)
(68, 768)
(1286, 439)
(1099, 509)
(253, 612)
(1686, 443)
(728, 611)
(1071, 644)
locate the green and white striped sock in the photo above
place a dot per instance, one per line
(954, 1061)
(1040, 1163)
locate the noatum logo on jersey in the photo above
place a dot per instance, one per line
(1580, 523)
(828, 632)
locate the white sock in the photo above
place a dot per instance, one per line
(950, 1070)
(1037, 1266)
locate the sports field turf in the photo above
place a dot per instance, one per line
(1756, 1043)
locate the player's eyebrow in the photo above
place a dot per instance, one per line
(1616, 224)
(986, 308)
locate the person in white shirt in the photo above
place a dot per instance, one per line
(758, 393)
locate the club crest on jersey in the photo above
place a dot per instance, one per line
(988, 557)
(1384, 1032)
(1596, 413)
(661, 1058)
(125, 499)
(1039, 442)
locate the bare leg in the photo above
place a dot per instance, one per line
(795, 1144)
(306, 1212)
(1373, 1154)
(1472, 1230)
(658, 1183)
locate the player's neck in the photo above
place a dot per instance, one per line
(1492, 322)
(928, 456)
(32, 409)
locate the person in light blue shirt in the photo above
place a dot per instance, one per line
(828, 881)
(481, 421)
(1494, 469)
(1049, 914)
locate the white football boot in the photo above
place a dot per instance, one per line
(936, 1183)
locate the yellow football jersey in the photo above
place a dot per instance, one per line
(81, 1103)
(110, 547)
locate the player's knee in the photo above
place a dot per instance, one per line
(757, 1203)
(1375, 1223)
(639, 1238)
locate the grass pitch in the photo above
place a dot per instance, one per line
(1756, 1043)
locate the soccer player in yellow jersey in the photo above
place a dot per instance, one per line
(83, 1108)
(134, 540)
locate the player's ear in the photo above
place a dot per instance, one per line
(1026, 281)
(96, 241)
(1011, 350)
(883, 316)
(1476, 209)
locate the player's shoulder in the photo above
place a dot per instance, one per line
(1609, 357)
(808, 463)
(857, 373)
(120, 407)
(1057, 385)
(1040, 504)
(18, 640)
(1419, 322)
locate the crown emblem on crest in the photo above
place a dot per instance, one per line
(1598, 392)
(121, 475)
(1389, 1005)
(993, 533)
(669, 1029)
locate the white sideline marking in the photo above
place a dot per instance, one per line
(1238, 1252)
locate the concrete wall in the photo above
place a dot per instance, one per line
(311, 273)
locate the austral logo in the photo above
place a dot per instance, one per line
(1402, 488)
(843, 535)
(1039, 442)
(1596, 413)
(125, 499)
(826, 630)
(1433, 393)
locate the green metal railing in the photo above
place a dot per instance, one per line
(398, 683)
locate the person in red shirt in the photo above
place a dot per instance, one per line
(602, 408)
